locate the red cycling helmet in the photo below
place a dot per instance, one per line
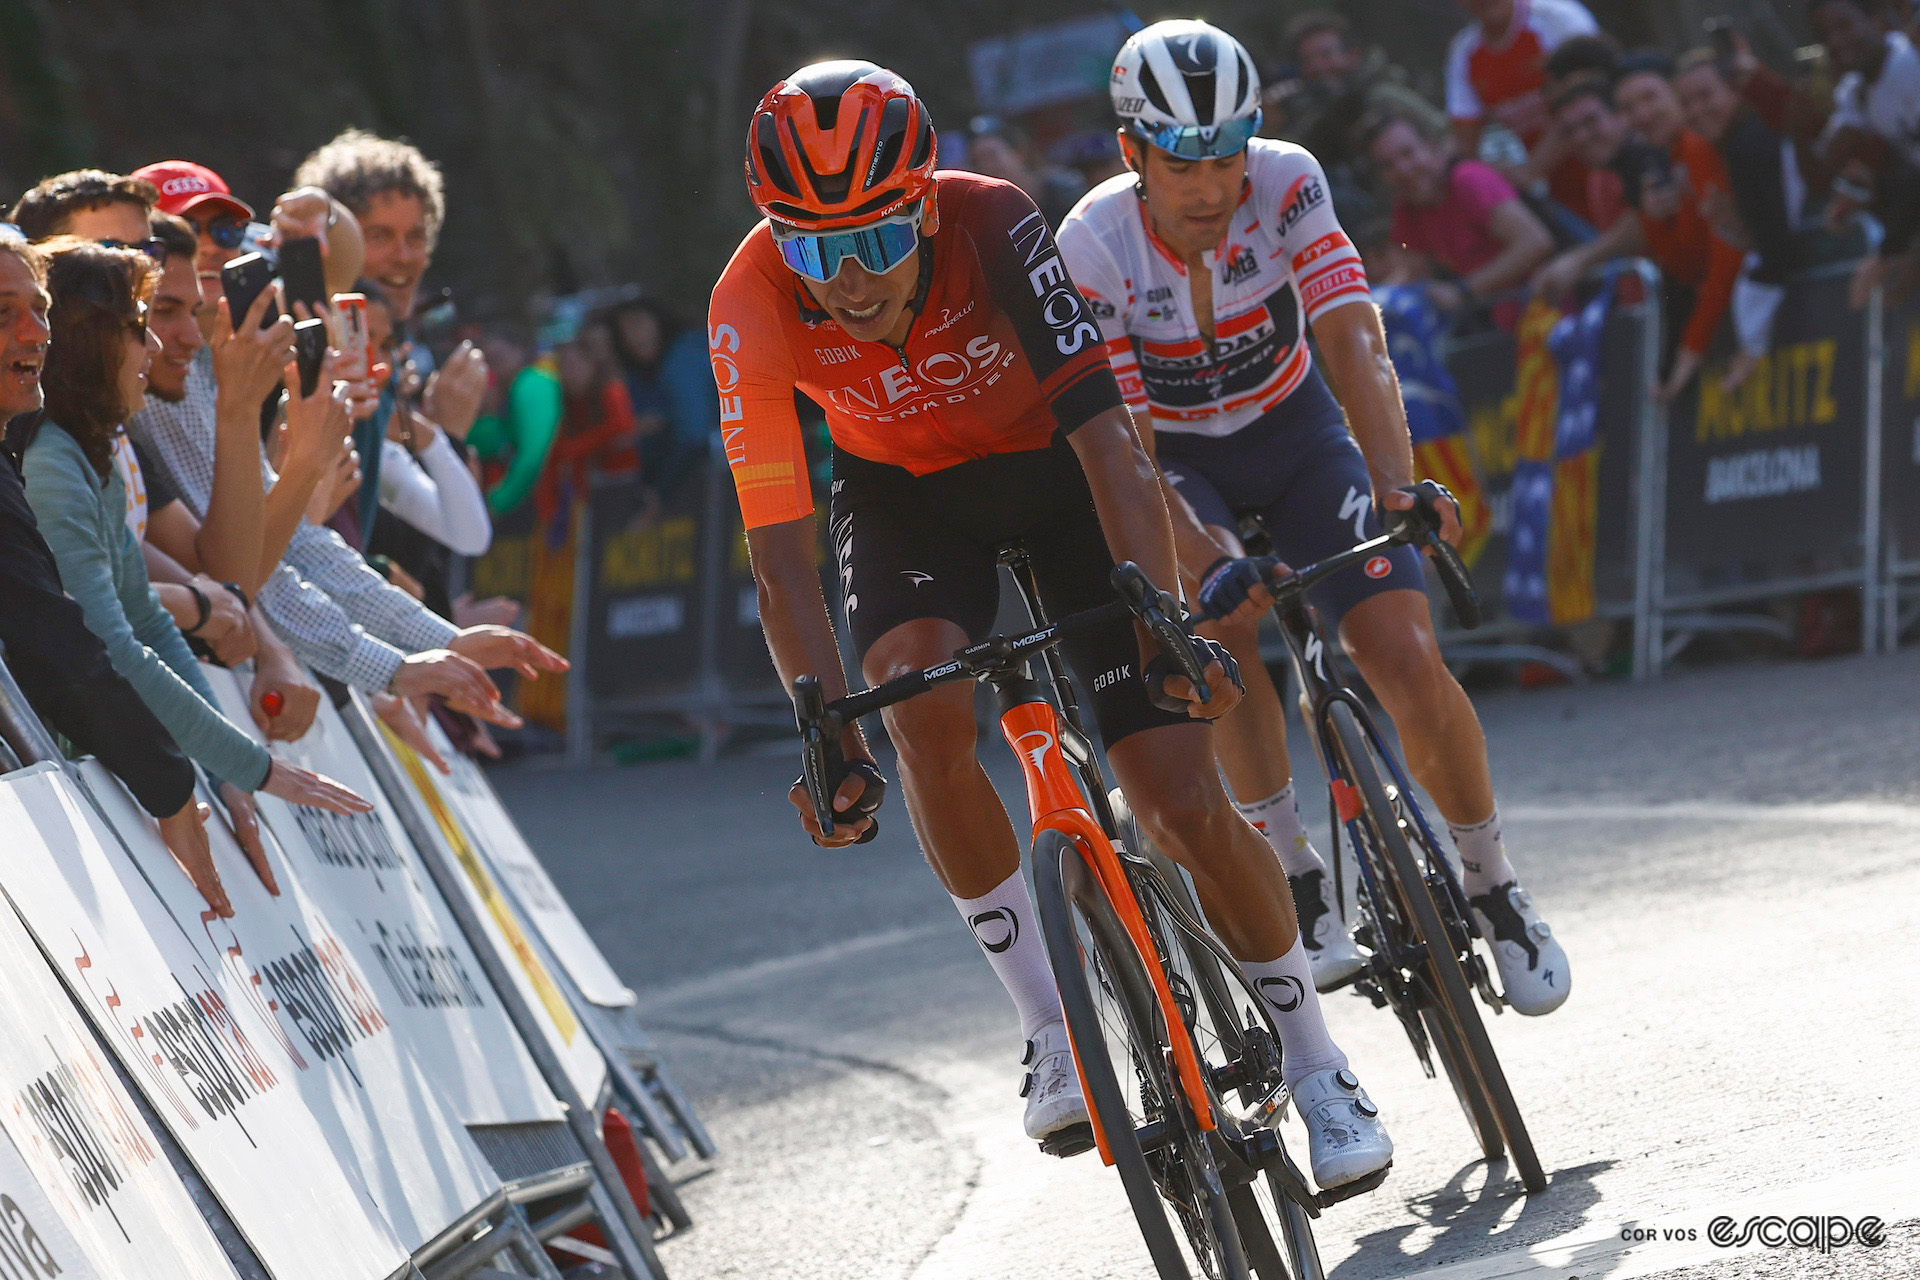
(839, 144)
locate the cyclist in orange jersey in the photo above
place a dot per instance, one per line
(971, 404)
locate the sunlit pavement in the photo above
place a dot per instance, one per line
(1729, 856)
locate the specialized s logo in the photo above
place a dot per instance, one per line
(1061, 305)
(1283, 993)
(996, 930)
(1306, 192)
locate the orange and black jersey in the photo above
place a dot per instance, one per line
(1002, 355)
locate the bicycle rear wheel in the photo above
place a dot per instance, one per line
(1452, 1004)
(1120, 1043)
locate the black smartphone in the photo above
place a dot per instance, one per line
(243, 279)
(309, 351)
(302, 277)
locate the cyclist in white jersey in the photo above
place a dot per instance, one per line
(1205, 266)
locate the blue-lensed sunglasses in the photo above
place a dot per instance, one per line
(878, 247)
(1201, 142)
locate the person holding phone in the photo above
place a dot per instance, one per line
(95, 374)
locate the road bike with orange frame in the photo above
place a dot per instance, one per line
(1178, 1060)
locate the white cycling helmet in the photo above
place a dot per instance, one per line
(1188, 88)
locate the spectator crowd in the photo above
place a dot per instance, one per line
(1555, 152)
(292, 485)
(196, 471)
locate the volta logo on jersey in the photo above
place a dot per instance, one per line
(1302, 197)
(1240, 265)
(996, 930)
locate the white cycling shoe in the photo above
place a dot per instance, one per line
(1345, 1139)
(1052, 1086)
(1533, 969)
(1331, 954)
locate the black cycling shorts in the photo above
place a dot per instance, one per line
(912, 547)
(1298, 467)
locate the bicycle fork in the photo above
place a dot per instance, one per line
(1039, 739)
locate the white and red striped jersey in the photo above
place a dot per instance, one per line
(1284, 257)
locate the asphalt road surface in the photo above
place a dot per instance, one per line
(1730, 858)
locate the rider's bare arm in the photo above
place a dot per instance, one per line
(1353, 351)
(794, 615)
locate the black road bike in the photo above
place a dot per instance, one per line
(1413, 916)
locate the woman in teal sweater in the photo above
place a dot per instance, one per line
(95, 378)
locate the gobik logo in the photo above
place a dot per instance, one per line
(996, 929)
(1283, 993)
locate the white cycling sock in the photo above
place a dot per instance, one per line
(1278, 819)
(1483, 859)
(1286, 985)
(1008, 930)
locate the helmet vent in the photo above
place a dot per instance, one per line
(923, 144)
(1200, 88)
(772, 163)
(1150, 85)
(893, 140)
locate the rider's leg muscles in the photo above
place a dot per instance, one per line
(1168, 776)
(1390, 638)
(957, 815)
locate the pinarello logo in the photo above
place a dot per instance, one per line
(1379, 567)
(184, 185)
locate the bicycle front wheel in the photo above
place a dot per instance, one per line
(1452, 1003)
(1120, 1043)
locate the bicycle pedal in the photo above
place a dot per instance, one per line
(1070, 1141)
(1358, 1187)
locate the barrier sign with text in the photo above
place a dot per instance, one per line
(585, 1068)
(364, 872)
(84, 1187)
(382, 1116)
(214, 1071)
(644, 609)
(1769, 477)
(498, 838)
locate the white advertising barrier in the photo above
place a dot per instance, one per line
(381, 1115)
(34, 1243)
(364, 872)
(85, 1189)
(494, 831)
(585, 1068)
(214, 1073)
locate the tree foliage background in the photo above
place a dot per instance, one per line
(584, 141)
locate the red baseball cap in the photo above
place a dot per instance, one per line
(185, 186)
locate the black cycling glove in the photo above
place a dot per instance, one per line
(1160, 669)
(1226, 585)
(871, 797)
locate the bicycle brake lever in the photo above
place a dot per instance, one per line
(819, 742)
(1152, 606)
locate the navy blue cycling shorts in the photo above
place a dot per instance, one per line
(1299, 469)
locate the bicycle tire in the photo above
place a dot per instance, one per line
(1454, 998)
(1481, 1121)
(1301, 1257)
(1067, 888)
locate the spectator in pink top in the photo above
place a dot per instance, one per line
(1461, 216)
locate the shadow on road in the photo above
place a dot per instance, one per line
(1462, 1217)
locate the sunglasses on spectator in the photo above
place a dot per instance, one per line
(226, 231)
(154, 248)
